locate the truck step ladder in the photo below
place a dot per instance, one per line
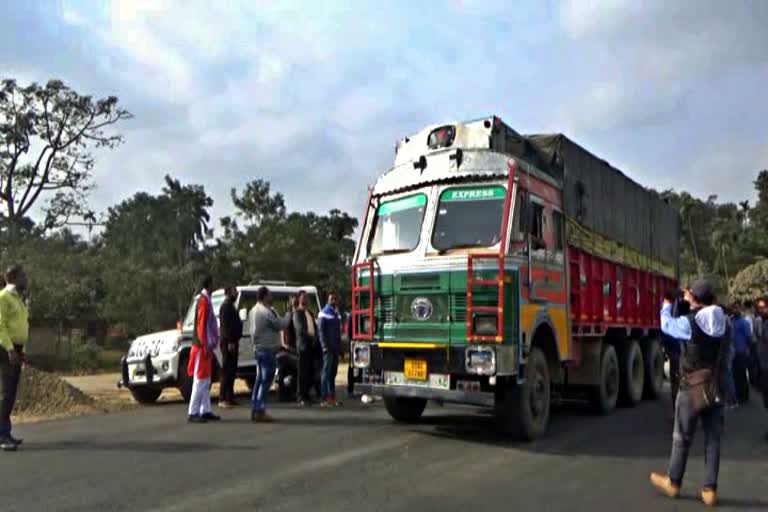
(497, 281)
(359, 289)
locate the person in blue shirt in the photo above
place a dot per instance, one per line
(742, 340)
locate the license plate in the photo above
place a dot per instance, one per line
(415, 369)
(434, 380)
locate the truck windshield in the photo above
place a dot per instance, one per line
(469, 217)
(398, 225)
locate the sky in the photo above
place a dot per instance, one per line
(311, 96)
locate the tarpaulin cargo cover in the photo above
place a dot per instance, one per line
(607, 203)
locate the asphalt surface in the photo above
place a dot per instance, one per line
(355, 458)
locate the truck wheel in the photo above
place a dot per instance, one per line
(145, 395)
(654, 370)
(405, 409)
(606, 394)
(632, 374)
(184, 381)
(522, 410)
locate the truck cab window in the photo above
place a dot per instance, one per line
(536, 226)
(558, 231)
(469, 217)
(398, 225)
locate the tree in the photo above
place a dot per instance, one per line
(47, 135)
(274, 244)
(154, 249)
(751, 282)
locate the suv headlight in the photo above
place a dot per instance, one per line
(485, 325)
(361, 355)
(480, 360)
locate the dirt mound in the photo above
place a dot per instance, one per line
(43, 393)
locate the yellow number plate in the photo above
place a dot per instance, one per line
(415, 369)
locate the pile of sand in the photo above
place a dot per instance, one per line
(44, 394)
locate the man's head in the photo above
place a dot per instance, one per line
(231, 293)
(264, 296)
(762, 307)
(702, 294)
(17, 276)
(206, 283)
(332, 299)
(748, 306)
(303, 300)
(736, 308)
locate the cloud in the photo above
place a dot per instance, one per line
(312, 96)
(646, 57)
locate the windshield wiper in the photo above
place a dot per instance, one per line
(393, 251)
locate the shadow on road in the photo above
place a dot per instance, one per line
(641, 432)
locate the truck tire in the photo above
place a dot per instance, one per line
(632, 374)
(146, 395)
(405, 409)
(606, 394)
(183, 380)
(522, 410)
(654, 369)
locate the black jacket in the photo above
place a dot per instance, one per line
(230, 325)
(303, 340)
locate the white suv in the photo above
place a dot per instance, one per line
(159, 360)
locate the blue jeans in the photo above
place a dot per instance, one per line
(328, 375)
(686, 420)
(266, 364)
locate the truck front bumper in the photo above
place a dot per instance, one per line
(480, 398)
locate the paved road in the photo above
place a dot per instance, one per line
(356, 459)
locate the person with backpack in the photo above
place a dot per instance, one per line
(706, 332)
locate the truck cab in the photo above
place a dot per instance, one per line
(463, 290)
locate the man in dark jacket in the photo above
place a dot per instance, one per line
(231, 332)
(329, 325)
(306, 335)
(706, 332)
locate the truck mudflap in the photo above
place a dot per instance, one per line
(479, 398)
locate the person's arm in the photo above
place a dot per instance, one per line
(5, 328)
(278, 323)
(679, 328)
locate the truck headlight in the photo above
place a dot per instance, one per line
(485, 325)
(361, 355)
(480, 360)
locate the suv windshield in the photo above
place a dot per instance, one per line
(469, 217)
(398, 225)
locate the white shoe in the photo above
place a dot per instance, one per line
(366, 399)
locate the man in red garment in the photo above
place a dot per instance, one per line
(205, 341)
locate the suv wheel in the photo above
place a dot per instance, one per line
(145, 395)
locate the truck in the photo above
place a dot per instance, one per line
(509, 272)
(159, 360)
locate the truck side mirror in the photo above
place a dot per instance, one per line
(243, 315)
